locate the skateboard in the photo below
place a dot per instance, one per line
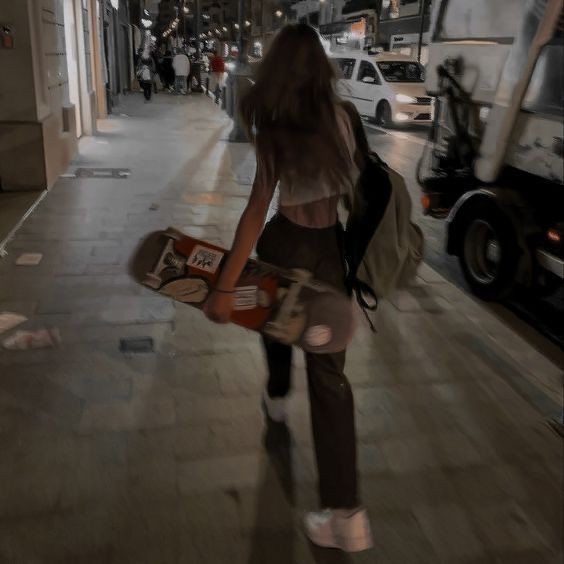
(287, 306)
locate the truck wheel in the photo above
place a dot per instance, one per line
(489, 254)
(384, 115)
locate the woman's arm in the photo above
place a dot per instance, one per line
(220, 303)
(248, 230)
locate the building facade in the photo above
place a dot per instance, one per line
(117, 50)
(47, 98)
(62, 69)
(404, 27)
(396, 25)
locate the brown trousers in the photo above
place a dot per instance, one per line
(288, 245)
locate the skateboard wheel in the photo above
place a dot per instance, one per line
(318, 335)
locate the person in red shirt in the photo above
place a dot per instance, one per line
(217, 73)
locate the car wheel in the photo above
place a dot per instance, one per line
(489, 255)
(384, 115)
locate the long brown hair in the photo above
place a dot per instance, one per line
(289, 112)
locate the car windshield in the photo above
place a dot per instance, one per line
(402, 71)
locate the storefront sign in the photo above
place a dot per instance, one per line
(358, 29)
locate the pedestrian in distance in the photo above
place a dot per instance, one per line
(181, 64)
(167, 71)
(145, 76)
(305, 144)
(217, 74)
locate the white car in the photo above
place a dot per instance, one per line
(387, 87)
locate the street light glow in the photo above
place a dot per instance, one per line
(247, 23)
(278, 13)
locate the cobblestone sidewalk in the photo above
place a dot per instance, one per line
(163, 458)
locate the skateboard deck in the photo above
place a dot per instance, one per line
(288, 306)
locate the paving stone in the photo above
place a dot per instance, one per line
(454, 449)
(136, 414)
(449, 530)
(35, 392)
(36, 475)
(203, 410)
(51, 537)
(371, 461)
(404, 542)
(219, 474)
(191, 442)
(98, 471)
(94, 391)
(410, 455)
(505, 527)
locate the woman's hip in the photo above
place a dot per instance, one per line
(288, 245)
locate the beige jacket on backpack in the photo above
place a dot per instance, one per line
(396, 248)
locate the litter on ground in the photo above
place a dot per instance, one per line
(10, 320)
(39, 339)
(29, 259)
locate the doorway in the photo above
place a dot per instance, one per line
(71, 46)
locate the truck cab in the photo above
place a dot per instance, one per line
(493, 166)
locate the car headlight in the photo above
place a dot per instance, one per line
(403, 99)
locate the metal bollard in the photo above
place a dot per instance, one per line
(242, 83)
(196, 73)
(229, 95)
(223, 97)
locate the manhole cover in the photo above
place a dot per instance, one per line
(136, 345)
(102, 173)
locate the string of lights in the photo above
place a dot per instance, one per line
(219, 31)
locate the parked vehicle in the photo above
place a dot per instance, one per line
(386, 87)
(494, 166)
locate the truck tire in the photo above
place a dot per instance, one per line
(489, 254)
(383, 115)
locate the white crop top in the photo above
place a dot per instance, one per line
(292, 192)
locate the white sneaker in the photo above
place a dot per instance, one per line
(275, 408)
(348, 530)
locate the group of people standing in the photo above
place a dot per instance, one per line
(172, 71)
(175, 72)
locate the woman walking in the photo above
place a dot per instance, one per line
(305, 144)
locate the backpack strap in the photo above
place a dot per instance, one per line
(359, 134)
(360, 288)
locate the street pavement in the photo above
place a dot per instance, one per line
(162, 457)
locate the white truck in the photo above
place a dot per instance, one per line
(493, 166)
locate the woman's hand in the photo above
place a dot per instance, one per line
(218, 307)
